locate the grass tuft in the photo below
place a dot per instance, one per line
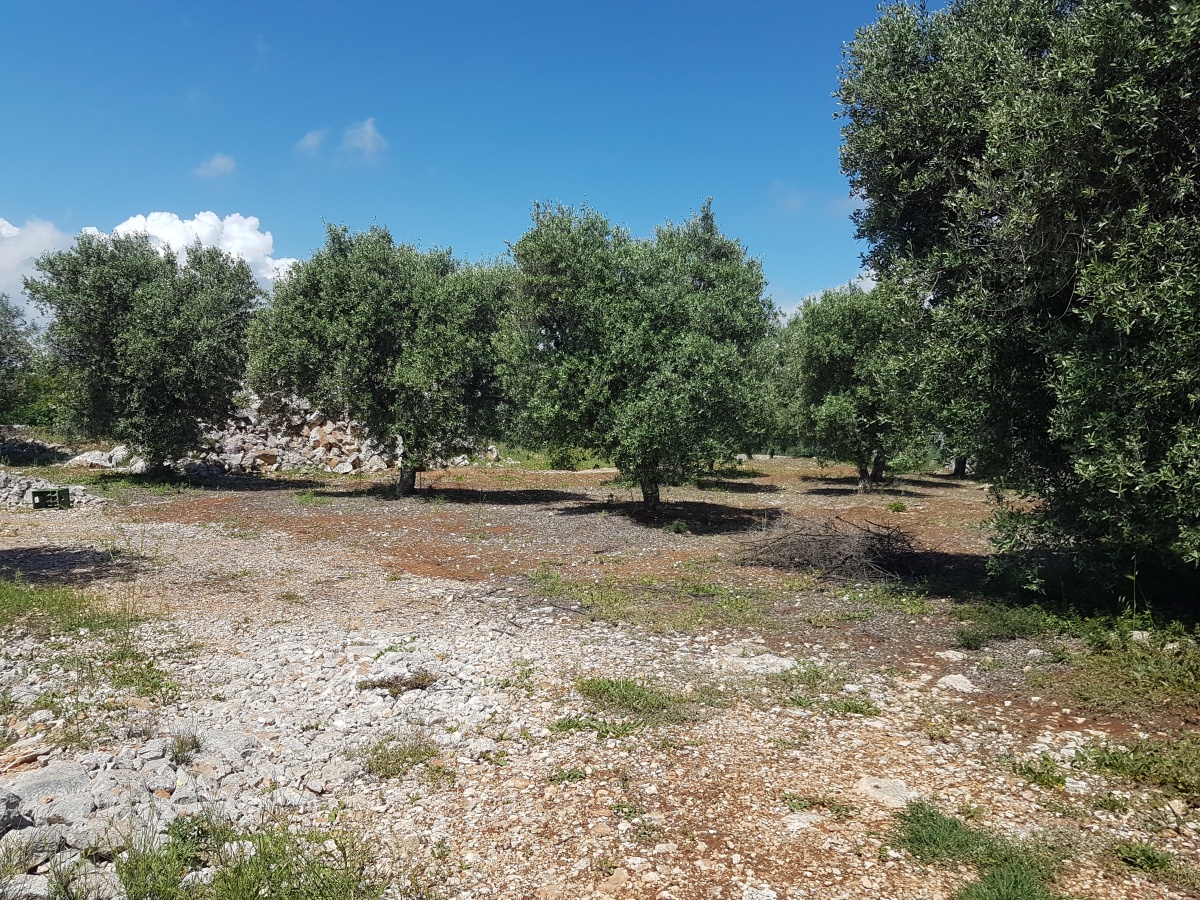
(417, 680)
(1173, 764)
(272, 861)
(987, 623)
(394, 755)
(1008, 870)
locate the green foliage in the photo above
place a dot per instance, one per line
(273, 861)
(15, 352)
(1008, 870)
(985, 623)
(845, 390)
(393, 755)
(145, 345)
(628, 697)
(1173, 764)
(48, 610)
(1029, 170)
(649, 351)
(396, 337)
(1143, 856)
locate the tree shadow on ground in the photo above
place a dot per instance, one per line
(699, 517)
(67, 566)
(460, 495)
(735, 487)
(737, 473)
(104, 482)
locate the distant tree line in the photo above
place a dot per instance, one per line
(1028, 175)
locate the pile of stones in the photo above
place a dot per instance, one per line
(273, 434)
(18, 450)
(17, 490)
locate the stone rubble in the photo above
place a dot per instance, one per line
(16, 491)
(278, 693)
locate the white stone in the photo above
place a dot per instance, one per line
(960, 683)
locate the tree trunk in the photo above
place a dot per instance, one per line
(863, 473)
(877, 468)
(407, 483)
(650, 496)
(960, 467)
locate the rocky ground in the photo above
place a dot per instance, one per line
(291, 642)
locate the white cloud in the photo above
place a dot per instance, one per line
(786, 198)
(312, 141)
(865, 280)
(19, 247)
(364, 139)
(235, 234)
(218, 165)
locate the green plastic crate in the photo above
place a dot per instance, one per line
(52, 498)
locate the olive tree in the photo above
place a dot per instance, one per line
(396, 337)
(646, 350)
(1031, 167)
(147, 344)
(845, 388)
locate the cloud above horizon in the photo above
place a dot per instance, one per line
(19, 248)
(311, 142)
(216, 166)
(364, 140)
(238, 235)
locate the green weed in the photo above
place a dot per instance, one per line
(986, 623)
(396, 754)
(566, 776)
(1043, 771)
(1173, 764)
(1008, 870)
(417, 680)
(271, 861)
(602, 728)
(311, 498)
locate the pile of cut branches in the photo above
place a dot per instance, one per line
(835, 548)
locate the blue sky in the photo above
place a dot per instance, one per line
(442, 121)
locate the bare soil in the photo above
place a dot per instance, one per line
(686, 810)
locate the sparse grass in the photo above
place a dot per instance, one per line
(893, 598)
(678, 526)
(272, 861)
(417, 680)
(439, 774)
(1111, 802)
(603, 729)
(311, 498)
(1117, 674)
(1172, 764)
(1042, 770)
(629, 697)
(684, 604)
(394, 755)
(799, 802)
(566, 776)
(133, 669)
(985, 623)
(852, 705)
(1143, 856)
(1008, 870)
(184, 745)
(809, 685)
(46, 610)
(1160, 864)
(897, 506)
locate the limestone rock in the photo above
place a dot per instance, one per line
(891, 793)
(960, 683)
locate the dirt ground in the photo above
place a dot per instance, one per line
(589, 585)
